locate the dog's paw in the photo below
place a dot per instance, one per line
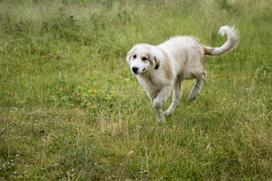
(192, 98)
(157, 103)
(160, 122)
(168, 113)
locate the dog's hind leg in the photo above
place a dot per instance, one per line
(200, 77)
(175, 98)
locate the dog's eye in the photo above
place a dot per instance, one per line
(144, 59)
(134, 56)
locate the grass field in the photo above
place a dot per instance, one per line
(72, 110)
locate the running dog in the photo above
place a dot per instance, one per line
(162, 68)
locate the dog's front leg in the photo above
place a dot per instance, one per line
(160, 99)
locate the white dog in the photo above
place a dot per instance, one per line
(161, 69)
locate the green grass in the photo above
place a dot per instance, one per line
(71, 109)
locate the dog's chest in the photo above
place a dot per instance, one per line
(150, 84)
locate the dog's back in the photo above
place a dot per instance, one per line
(186, 51)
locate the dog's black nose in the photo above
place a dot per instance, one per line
(135, 70)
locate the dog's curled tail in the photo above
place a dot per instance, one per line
(232, 41)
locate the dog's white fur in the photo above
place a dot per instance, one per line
(161, 69)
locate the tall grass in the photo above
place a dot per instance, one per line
(71, 110)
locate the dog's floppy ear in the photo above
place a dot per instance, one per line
(129, 54)
(156, 62)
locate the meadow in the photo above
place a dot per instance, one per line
(70, 109)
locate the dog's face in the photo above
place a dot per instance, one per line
(141, 59)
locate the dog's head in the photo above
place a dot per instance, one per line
(141, 58)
